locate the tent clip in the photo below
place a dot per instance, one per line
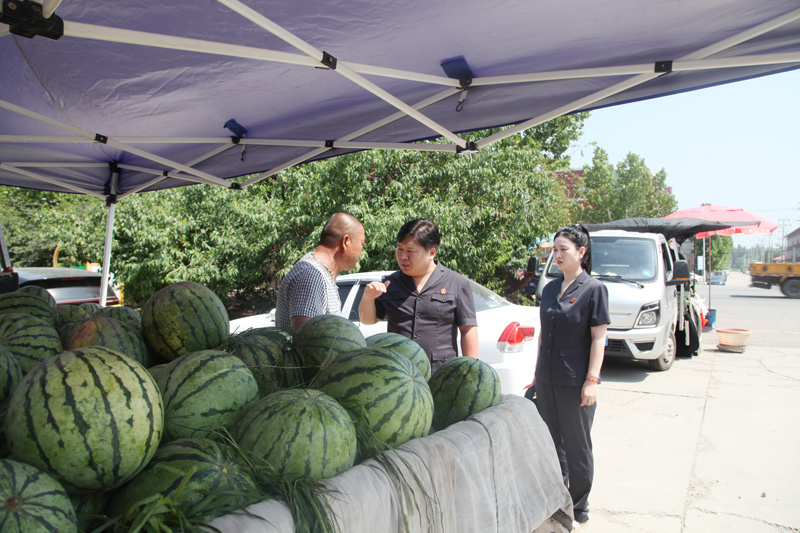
(24, 18)
(664, 67)
(236, 186)
(329, 143)
(464, 83)
(100, 138)
(328, 60)
(470, 148)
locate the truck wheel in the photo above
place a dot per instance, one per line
(665, 360)
(791, 288)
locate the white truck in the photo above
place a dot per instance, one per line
(644, 279)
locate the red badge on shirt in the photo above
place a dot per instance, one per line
(572, 300)
(444, 291)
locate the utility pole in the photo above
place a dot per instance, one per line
(783, 222)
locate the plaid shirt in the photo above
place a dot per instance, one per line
(309, 289)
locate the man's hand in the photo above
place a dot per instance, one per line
(375, 290)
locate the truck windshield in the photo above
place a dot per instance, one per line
(628, 258)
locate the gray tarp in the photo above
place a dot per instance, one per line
(495, 472)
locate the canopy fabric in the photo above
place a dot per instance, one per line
(678, 228)
(135, 95)
(740, 221)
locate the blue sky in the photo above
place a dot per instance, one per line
(736, 145)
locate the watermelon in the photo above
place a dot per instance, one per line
(462, 387)
(27, 304)
(4, 451)
(30, 339)
(263, 355)
(111, 333)
(68, 314)
(182, 318)
(33, 501)
(217, 467)
(383, 390)
(323, 337)
(204, 391)
(10, 373)
(405, 347)
(89, 509)
(128, 315)
(300, 432)
(90, 307)
(41, 293)
(91, 418)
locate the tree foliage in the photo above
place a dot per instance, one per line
(626, 190)
(489, 206)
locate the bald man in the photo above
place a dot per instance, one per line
(309, 289)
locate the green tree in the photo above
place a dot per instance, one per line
(720, 252)
(628, 190)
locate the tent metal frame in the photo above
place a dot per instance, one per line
(309, 56)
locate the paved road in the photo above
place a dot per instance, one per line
(712, 444)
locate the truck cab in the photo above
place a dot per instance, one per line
(638, 271)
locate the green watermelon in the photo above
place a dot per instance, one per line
(27, 304)
(182, 318)
(385, 388)
(462, 387)
(263, 355)
(33, 501)
(69, 314)
(91, 418)
(405, 347)
(111, 333)
(90, 307)
(30, 339)
(41, 293)
(4, 451)
(217, 466)
(300, 432)
(10, 372)
(128, 315)
(89, 509)
(323, 337)
(204, 391)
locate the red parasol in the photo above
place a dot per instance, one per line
(751, 223)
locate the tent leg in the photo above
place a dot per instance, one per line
(107, 254)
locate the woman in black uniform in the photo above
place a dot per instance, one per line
(574, 317)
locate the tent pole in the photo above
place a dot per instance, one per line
(112, 202)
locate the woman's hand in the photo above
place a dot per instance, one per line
(588, 393)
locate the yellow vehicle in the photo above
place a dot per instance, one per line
(786, 275)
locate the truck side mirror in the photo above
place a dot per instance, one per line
(680, 273)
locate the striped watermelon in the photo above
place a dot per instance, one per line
(90, 307)
(461, 387)
(110, 333)
(204, 391)
(10, 373)
(405, 347)
(27, 304)
(68, 314)
(89, 509)
(33, 501)
(91, 418)
(182, 318)
(263, 355)
(217, 466)
(386, 388)
(4, 451)
(128, 315)
(30, 339)
(300, 432)
(41, 293)
(323, 337)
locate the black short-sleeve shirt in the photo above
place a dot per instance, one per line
(566, 334)
(432, 316)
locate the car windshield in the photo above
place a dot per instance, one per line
(624, 257)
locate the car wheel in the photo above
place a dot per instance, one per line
(665, 360)
(791, 288)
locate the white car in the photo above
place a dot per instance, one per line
(508, 334)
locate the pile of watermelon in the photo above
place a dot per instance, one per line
(115, 414)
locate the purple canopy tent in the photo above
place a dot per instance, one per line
(110, 99)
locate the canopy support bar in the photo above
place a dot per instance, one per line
(112, 203)
(53, 181)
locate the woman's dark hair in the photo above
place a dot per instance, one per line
(579, 236)
(424, 232)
